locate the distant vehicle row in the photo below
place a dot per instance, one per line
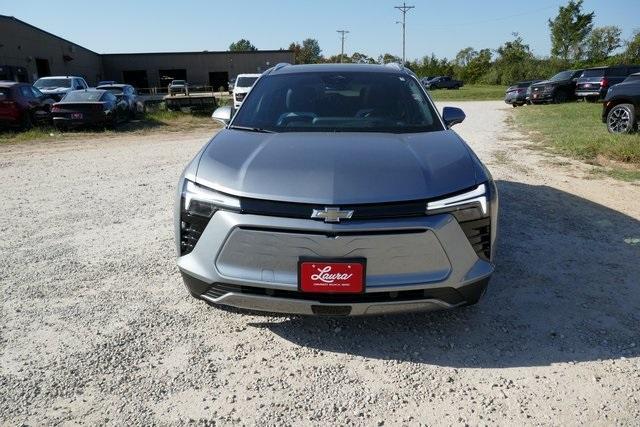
(441, 82)
(619, 86)
(67, 102)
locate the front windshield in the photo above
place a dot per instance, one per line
(564, 75)
(52, 83)
(338, 102)
(246, 81)
(177, 82)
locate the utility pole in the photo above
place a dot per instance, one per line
(404, 9)
(342, 35)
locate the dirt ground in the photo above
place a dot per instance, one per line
(96, 326)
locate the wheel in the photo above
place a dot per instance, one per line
(515, 105)
(621, 119)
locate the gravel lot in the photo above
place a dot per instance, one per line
(96, 326)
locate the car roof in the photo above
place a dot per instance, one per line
(59, 77)
(318, 68)
(249, 75)
(112, 85)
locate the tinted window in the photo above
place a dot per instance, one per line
(246, 81)
(36, 92)
(52, 83)
(524, 84)
(115, 90)
(618, 72)
(335, 101)
(596, 72)
(178, 82)
(564, 75)
(83, 96)
(25, 91)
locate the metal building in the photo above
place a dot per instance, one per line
(28, 53)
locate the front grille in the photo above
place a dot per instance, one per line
(191, 228)
(479, 234)
(448, 295)
(365, 211)
(240, 96)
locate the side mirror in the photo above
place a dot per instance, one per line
(222, 115)
(452, 116)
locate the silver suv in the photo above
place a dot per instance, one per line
(336, 190)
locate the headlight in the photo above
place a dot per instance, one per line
(202, 201)
(465, 207)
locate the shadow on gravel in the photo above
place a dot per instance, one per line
(566, 288)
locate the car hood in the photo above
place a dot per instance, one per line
(337, 168)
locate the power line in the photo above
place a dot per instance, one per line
(404, 9)
(342, 36)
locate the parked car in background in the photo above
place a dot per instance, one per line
(594, 83)
(128, 94)
(244, 83)
(559, 88)
(426, 80)
(622, 105)
(178, 86)
(58, 86)
(516, 94)
(444, 82)
(89, 107)
(22, 105)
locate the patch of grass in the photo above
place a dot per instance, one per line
(576, 129)
(470, 93)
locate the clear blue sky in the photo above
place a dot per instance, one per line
(441, 27)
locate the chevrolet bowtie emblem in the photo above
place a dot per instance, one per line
(332, 214)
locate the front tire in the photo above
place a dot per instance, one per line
(621, 119)
(560, 97)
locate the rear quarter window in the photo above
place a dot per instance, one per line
(600, 72)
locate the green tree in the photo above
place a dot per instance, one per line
(513, 60)
(361, 58)
(242, 45)
(632, 48)
(477, 66)
(569, 30)
(465, 56)
(309, 53)
(602, 42)
(388, 58)
(296, 48)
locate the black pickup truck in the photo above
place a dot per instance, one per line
(444, 82)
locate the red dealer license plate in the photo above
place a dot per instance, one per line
(324, 276)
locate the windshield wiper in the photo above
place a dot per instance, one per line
(250, 129)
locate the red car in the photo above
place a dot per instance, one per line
(22, 105)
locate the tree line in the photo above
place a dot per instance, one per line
(575, 43)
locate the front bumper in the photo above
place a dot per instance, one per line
(250, 262)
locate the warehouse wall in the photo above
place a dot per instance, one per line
(198, 65)
(21, 44)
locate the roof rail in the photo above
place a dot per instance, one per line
(280, 65)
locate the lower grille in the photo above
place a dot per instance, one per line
(448, 295)
(479, 234)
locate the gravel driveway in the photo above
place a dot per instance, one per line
(96, 326)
